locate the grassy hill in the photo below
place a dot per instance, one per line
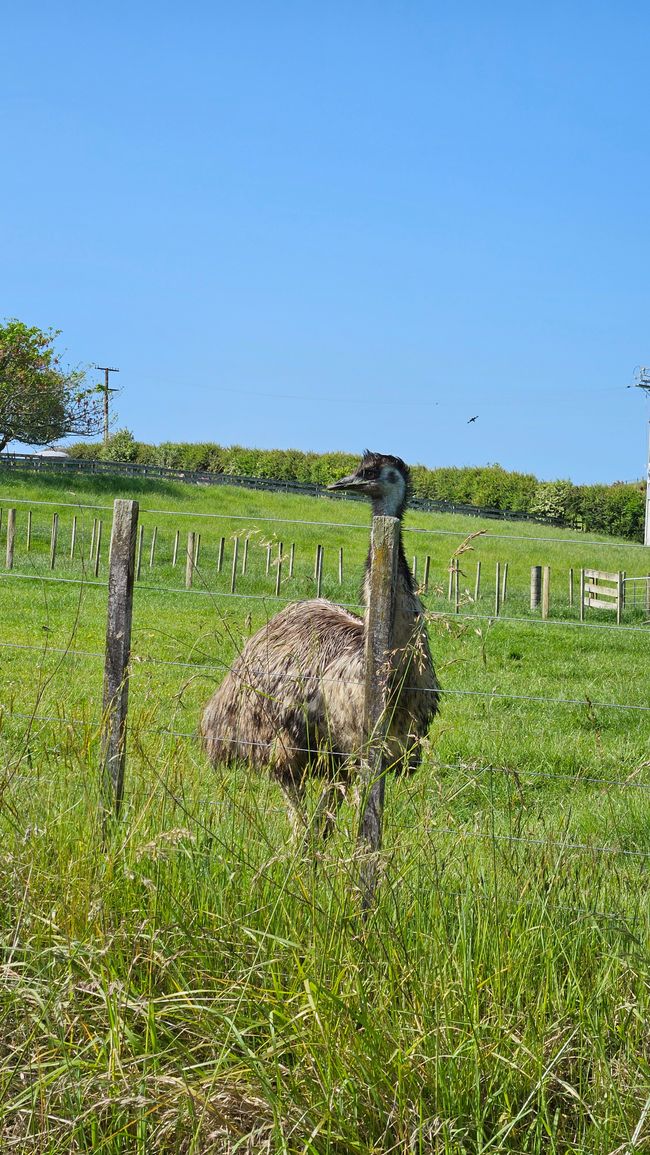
(194, 985)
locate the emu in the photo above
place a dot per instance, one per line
(292, 702)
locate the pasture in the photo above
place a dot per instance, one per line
(196, 985)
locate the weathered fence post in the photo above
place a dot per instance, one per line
(92, 540)
(497, 591)
(11, 536)
(189, 560)
(53, 539)
(379, 627)
(29, 530)
(292, 555)
(570, 587)
(456, 586)
(98, 547)
(535, 586)
(175, 547)
(118, 646)
(546, 590)
(222, 546)
(233, 576)
(73, 536)
(197, 550)
(152, 551)
(582, 595)
(620, 600)
(477, 583)
(244, 560)
(340, 565)
(504, 584)
(425, 575)
(278, 576)
(319, 570)
(138, 563)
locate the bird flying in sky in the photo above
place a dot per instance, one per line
(472, 419)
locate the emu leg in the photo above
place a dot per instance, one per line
(324, 821)
(295, 797)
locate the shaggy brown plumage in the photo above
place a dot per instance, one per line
(292, 701)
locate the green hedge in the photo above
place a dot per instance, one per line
(617, 509)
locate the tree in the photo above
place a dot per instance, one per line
(40, 400)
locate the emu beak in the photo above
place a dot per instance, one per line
(350, 482)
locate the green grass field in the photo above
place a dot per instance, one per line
(197, 986)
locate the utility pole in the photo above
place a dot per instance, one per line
(644, 383)
(105, 370)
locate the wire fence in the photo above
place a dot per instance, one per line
(525, 777)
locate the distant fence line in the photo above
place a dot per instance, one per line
(38, 464)
(616, 591)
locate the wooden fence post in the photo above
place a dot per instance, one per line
(53, 538)
(233, 576)
(11, 536)
(118, 647)
(582, 595)
(29, 530)
(189, 560)
(425, 575)
(73, 536)
(197, 550)
(222, 546)
(319, 570)
(152, 551)
(456, 586)
(504, 584)
(497, 592)
(278, 575)
(379, 628)
(244, 560)
(98, 547)
(340, 565)
(535, 586)
(546, 590)
(175, 548)
(620, 599)
(92, 540)
(292, 555)
(138, 563)
(477, 583)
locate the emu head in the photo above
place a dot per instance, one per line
(381, 477)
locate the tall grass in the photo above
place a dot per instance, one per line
(196, 985)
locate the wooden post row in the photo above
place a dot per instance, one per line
(118, 648)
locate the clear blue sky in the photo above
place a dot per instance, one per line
(331, 225)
